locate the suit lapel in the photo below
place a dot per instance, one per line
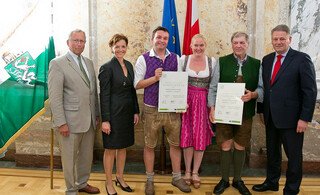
(74, 65)
(130, 71)
(285, 64)
(269, 62)
(115, 61)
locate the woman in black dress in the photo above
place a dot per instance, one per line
(119, 111)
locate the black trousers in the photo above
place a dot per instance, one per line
(292, 143)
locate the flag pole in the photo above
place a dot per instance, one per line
(52, 132)
(51, 158)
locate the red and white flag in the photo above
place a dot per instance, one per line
(191, 26)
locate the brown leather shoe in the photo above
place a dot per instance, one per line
(181, 185)
(90, 189)
(149, 188)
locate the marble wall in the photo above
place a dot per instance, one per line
(120, 17)
(303, 17)
(218, 20)
(305, 25)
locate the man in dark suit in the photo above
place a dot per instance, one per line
(290, 93)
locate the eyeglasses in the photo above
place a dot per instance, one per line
(78, 41)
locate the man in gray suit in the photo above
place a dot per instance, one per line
(74, 105)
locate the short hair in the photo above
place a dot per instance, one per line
(116, 38)
(196, 36)
(158, 29)
(77, 31)
(281, 27)
(240, 34)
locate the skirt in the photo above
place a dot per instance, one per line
(196, 129)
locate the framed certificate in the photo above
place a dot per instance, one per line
(173, 91)
(229, 106)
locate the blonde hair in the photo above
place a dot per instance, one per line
(198, 36)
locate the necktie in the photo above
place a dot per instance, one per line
(82, 70)
(276, 68)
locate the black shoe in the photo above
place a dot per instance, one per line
(239, 185)
(220, 187)
(265, 187)
(126, 189)
(108, 191)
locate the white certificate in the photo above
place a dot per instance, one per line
(173, 91)
(229, 106)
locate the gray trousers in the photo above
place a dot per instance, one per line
(76, 155)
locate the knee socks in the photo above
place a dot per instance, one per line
(238, 162)
(225, 161)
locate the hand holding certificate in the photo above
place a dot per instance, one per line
(229, 106)
(173, 91)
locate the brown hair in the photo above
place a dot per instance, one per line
(116, 38)
(158, 29)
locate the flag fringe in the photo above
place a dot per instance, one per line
(23, 128)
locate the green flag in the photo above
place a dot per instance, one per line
(23, 91)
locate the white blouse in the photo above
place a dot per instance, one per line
(201, 74)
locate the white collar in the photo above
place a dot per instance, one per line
(154, 54)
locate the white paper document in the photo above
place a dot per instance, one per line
(173, 91)
(229, 106)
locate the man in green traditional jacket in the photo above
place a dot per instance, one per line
(237, 67)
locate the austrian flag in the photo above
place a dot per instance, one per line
(191, 25)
